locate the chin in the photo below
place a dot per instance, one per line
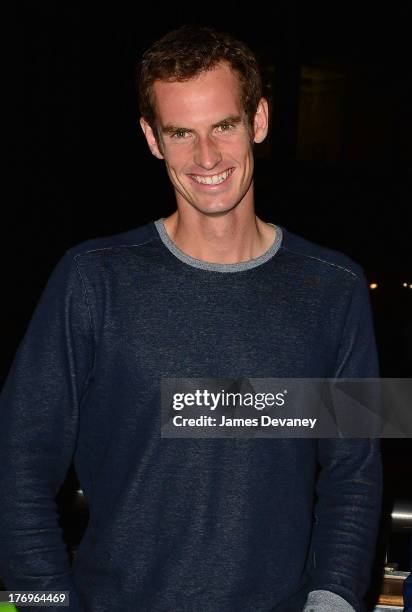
(214, 213)
(214, 209)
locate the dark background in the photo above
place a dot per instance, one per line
(335, 168)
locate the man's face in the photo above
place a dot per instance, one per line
(206, 140)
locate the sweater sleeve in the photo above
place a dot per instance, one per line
(325, 601)
(349, 486)
(39, 408)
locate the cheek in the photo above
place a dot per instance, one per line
(241, 150)
(177, 157)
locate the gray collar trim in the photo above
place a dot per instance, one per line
(218, 267)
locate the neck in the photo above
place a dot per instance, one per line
(238, 235)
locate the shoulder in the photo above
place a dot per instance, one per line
(104, 245)
(324, 260)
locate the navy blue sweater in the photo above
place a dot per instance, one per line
(193, 525)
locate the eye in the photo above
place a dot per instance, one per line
(179, 134)
(223, 128)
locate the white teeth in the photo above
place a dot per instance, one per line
(212, 180)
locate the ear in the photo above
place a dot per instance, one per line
(151, 139)
(261, 121)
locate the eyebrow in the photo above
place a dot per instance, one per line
(171, 129)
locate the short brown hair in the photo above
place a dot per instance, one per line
(186, 52)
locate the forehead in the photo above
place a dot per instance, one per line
(206, 98)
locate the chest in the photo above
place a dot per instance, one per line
(217, 327)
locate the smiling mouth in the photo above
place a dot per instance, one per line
(215, 179)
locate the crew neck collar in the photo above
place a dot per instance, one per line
(218, 267)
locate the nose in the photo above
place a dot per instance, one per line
(207, 154)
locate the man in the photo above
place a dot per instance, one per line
(199, 525)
